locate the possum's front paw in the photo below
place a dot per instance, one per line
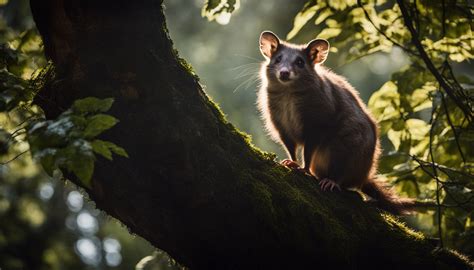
(328, 183)
(290, 164)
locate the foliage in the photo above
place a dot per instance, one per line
(425, 109)
(40, 228)
(69, 142)
(220, 10)
(423, 128)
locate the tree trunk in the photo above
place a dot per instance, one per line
(194, 186)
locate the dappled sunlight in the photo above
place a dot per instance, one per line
(31, 212)
(46, 191)
(411, 64)
(86, 223)
(75, 201)
(89, 250)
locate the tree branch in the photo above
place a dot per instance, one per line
(367, 16)
(193, 185)
(467, 110)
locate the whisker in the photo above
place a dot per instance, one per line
(245, 74)
(249, 81)
(242, 66)
(248, 57)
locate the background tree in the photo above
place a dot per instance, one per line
(90, 111)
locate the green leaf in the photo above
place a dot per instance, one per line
(106, 149)
(47, 159)
(302, 18)
(92, 105)
(418, 129)
(324, 14)
(394, 137)
(101, 148)
(83, 168)
(385, 102)
(329, 33)
(64, 143)
(117, 149)
(220, 10)
(78, 158)
(420, 98)
(98, 124)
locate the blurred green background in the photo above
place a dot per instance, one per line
(46, 224)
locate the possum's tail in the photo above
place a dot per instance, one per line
(386, 199)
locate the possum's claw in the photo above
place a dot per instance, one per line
(328, 183)
(290, 164)
(295, 166)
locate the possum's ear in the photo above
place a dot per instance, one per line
(269, 43)
(317, 50)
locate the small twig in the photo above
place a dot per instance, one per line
(443, 100)
(450, 123)
(424, 56)
(26, 120)
(12, 135)
(14, 158)
(442, 168)
(435, 172)
(458, 203)
(367, 16)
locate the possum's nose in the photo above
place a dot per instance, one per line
(284, 75)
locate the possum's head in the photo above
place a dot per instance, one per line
(288, 63)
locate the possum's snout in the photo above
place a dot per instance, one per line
(284, 75)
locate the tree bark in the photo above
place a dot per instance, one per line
(194, 186)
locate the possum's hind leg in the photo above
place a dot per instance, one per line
(348, 166)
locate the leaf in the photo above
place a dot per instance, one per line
(83, 168)
(390, 160)
(220, 10)
(64, 142)
(106, 149)
(98, 124)
(394, 137)
(341, 4)
(47, 159)
(117, 149)
(418, 129)
(78, 158)
(301, 19)
(329, 33)
(324, 14)
(420, 99)
(385, 102)
(92, 105)
(101, 148)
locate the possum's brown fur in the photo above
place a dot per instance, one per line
(320, 112)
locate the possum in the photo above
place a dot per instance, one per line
(306, 106)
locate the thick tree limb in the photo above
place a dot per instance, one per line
(193, 185)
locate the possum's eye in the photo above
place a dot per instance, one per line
(299, 62)
(278, 59)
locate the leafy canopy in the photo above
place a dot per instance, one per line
(425, 110)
